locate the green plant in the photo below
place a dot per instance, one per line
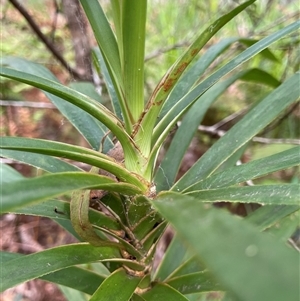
(212, 250)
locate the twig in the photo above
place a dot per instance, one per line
(158, 52)
(29, 104)
(44, 39)
(281, 119)
(212, 130)
(293, 244)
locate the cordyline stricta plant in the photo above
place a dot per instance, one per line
(213, 250)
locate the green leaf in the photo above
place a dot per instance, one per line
(133, 42)
(166, 84)
(167, 171)
(267, 53)
(164, 126)
(45, 262)
(60, 210)
(77, 278)
(190, 266)
(69, 151)
(285, 228)
(286, 194)
(101, 68)
(109, 48)
(163, 292)
(30, 191)
(266, 216)
(249, 171)
(234, 250)
(72, 294)
(192, 75)
(91, 129)
(195, 282)
(260, 116)
(119, 286)
(40, 161)
(261, 77)
(153, 236)
(80, 100)
(11, 175)
(172, 258)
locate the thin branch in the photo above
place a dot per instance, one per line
(215, 132)
(45, 40)
(293, 244)
(29, 104)
(281, 119)
(158, 52)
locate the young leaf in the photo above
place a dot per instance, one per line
(234, 250)
(133, 43)
(109, 49)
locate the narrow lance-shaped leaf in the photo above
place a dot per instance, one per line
(162, 292)
(233, 250)
(119, 286)
(101, 69)
(133, 42)
(89, 281)
(266, 216)
(72, 152)
(249, 171)
(91, 129)
(287, 194)
(33, 190)
(168, 168)
(192, 75)
(45, 262)
(165, 86)
(60, 210)
(172, 259)
(162, 129)
(89, 105)
(39, 161)
(253, 122)
(110, 51)
(195, 283)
